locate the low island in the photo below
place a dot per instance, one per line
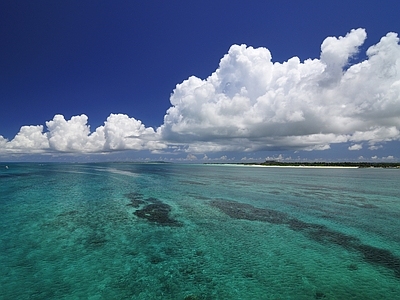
(275, 163)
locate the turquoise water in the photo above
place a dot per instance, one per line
(169, 231)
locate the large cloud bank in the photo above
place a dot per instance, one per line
(251, 103)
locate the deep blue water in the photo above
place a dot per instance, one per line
(171, 231)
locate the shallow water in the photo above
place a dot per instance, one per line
(169, 231)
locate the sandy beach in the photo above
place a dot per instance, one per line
(288, 166)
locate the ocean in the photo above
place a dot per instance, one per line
(185, 231)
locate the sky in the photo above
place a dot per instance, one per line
(199, 81)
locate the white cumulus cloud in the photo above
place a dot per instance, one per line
(119, 132)
(252, 103)
(355, 147)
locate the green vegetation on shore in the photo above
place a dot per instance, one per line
(391, 165)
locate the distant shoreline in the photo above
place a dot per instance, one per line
(322, 165)
(290, 166)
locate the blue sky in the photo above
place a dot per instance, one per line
(140, 73)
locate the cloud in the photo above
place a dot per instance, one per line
(73, 136)
(29, 139)
(251, 159)
(389, 157)
(251, 103)
(355, 147)
(191, 157)
(374, 147)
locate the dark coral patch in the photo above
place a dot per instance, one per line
(136, 203)
(380, 257)
(352, 267)
(136, 199)
(317, 232)
(191, 297)
(191, 182)
(298, 225)
(319, 295)
(153, 200)
(69, 213)
(323, 234)
(156, 260)
(367, 205)
(157, 213)
(134, 196)
(248, 212)
(151, 209)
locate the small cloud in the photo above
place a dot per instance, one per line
(389, 157)
(277, 157)
(375, 147)
(251, 159)
(355, 147)
(191, 157)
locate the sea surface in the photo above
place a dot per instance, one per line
(175, 231)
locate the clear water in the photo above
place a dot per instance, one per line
(168, 231)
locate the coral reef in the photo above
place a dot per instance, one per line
(317, 232)
(152, 209)
(157, 213)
